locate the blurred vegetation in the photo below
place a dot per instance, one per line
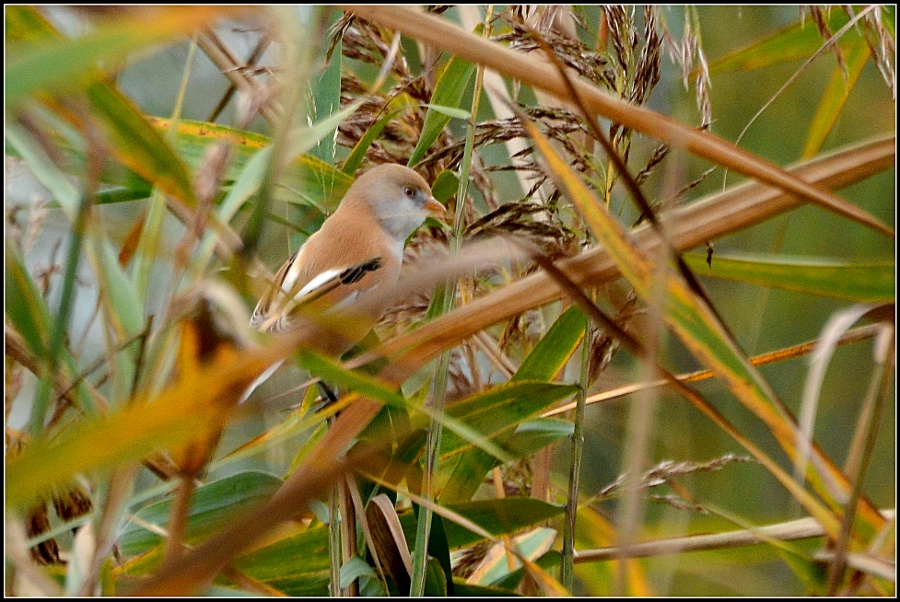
(706, 188)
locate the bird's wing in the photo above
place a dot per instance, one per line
(292, 292)
(275, 294)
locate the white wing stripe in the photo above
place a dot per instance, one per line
(319, 281)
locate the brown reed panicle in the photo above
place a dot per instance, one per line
(630, 68)
(881, 43)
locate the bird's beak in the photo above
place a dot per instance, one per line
(435, 208)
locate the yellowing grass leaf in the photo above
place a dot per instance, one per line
(835, 97)
(305, 178)
(137, 145)
(182, 412)
(192, 138)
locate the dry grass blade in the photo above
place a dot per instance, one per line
(881, 389)
(445, 36)
(16, 349)
(232, 68)
(261, 45)
(388, 541)
(863, 563)
(857, 334)
(687, 226)
(803, 528)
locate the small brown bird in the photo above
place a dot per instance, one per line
(358, 249)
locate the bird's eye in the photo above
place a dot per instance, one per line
(410, 192)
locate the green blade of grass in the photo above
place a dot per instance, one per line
(332, 372)
(29, 315)
(326, 93)
(448, 92)
(536, 434)
(296, 566)
(530, 545)
(117, 293)
(355, 159)
(849, 281)
(502, 516)
(212, 503)
(555, 348)
(499, 409)
(494, 413)
(795, 42)
(25, 308)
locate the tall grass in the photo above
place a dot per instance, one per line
(673, 220)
